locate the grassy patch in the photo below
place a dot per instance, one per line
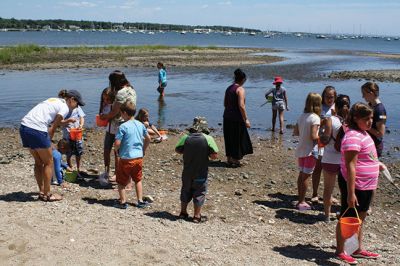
(20, 53)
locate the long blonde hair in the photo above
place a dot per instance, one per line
(313, 103)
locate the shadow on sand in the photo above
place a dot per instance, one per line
(307, 252)
(104, 202)
(162, 215)
(19, 197)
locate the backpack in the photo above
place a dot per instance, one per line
(339, 137)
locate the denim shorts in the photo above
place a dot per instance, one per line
(76, 148)
(34, 139)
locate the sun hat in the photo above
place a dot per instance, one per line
(77, 96)
(200, 125)
(278, 79)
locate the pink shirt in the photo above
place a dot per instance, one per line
(367, 166)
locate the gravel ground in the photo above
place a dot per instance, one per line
(250, 218)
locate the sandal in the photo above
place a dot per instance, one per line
(196, 220)
(51, 197)
(41, 196)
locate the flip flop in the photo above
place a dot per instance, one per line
(303, 207)
(51, 198)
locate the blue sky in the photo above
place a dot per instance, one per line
(335, 16)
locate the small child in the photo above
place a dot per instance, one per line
(131, 143)
(359, 176)
(57, 151)
(279, 102)
(196, 148)
(106, 101)
(162, 78)
(75, 119)
(307, 129)
(143, 116)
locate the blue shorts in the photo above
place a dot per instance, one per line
(34, 139)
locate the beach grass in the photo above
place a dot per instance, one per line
(32, 53)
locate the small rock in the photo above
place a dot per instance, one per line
(238, 192)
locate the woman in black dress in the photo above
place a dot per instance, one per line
(236, 122)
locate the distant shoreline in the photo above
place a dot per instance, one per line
(33, 57)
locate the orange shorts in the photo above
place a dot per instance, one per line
(129, 168)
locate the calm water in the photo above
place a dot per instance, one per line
(200, 91)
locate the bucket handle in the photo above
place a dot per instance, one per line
(355, 209)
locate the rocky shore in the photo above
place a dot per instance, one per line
(250, 218)
(392, 75)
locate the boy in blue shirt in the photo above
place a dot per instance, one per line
(131, 142)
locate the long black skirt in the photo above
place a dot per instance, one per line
(237, 139)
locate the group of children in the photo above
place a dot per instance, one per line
(345, 141)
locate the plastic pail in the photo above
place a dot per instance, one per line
(349, 225)
(71, 176)
(269, 99)
(101, 122)
(75, 134)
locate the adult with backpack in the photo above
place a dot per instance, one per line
(331, 138)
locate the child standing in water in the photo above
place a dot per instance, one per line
(359, 179)
(106, 101)
(307, 129)
(279, 103)
(143, 116)
(162, 78)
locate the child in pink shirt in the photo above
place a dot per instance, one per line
(359, 176)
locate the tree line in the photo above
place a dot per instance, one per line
(30, 24)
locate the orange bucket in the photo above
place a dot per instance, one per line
(349, 225)
(101, 122)
(163, 132)
(75, 134)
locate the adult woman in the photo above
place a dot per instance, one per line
(236, 122)
(123, 92)
(332, 157)
(328, 105)
(37, 130)
(279, 102)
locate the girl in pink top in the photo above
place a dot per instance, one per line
(360, 170)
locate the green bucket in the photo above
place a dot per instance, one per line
(71, 176)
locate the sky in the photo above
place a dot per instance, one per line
(318, 16)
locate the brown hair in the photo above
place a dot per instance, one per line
(326, 90)
(371, 87)
(161, 65)
(107, 91)
(142, 112)
(313, 103)
(118, 80)
(63, 93)
(129, 108)
(357, 111)
(63, 145)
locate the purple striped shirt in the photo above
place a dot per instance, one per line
(367, 166)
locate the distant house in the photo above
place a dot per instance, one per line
(73, 27)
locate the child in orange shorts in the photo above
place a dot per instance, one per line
(131, 142)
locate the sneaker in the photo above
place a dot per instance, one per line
(142, 204)
(365, 254)
(121, 205)
(346, 258)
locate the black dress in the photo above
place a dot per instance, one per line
(236, 136)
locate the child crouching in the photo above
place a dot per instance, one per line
(131, 142)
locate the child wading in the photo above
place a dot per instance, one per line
(279, 103)
(196, 148)
(162, 78)
(131, 143)
(307, 150)
(359, 176)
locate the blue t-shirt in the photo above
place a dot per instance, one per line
(162, 76)
(131, 135)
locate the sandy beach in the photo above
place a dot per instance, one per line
(249, 210)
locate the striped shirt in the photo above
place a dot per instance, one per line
(367, 166)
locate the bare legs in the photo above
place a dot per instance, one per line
(122, 192)
(316, 177)
(43, 169)
(281, 123)
(302, 186)
(197, 209)
(329, 184)
(340, 240)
